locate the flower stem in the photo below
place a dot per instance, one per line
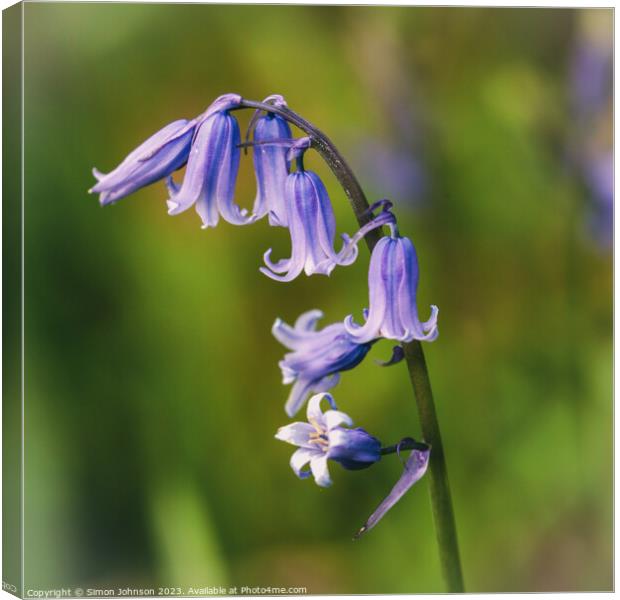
(441, 501)
(405, 444)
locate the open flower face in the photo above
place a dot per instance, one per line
(326, 436)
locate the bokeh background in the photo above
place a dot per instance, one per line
(152, 385)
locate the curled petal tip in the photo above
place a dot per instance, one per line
(350, 325)
(172, 206)
(266, 271)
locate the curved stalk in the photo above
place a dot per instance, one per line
(406, 444)
(441, 501)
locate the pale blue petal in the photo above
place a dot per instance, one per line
(336, 418)
(307, 321)
(314, 412)
(297, 434)
(320, 471)
(300, 459)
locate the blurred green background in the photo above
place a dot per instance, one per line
(152, 385)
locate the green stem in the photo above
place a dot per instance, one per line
(441, 501)
(443, 513)
(406, 444)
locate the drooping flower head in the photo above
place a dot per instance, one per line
(271, 163)
(326, 436)
(311, 224)
(212, 167)
(318, 357)
(393, 282)
(156, 158)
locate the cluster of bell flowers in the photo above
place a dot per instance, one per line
(210, 148)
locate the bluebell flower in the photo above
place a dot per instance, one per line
(158, 157)
(393, 282)
(212, 167)
(326, 436)
(414, 470)
(271, 164)
(318, 357)
(312, 226)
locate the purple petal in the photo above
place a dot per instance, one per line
(308, 320)
(132, 160)
(377, 298)
(353, 448)
(306, 212)
(415, 467)
(271, 168)
(169, 152)
(226, 174)
(393, 273)
(407, 297)
(201, 155)
(294, 265)
(288, 336)
(325, 219)
(317, 357)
